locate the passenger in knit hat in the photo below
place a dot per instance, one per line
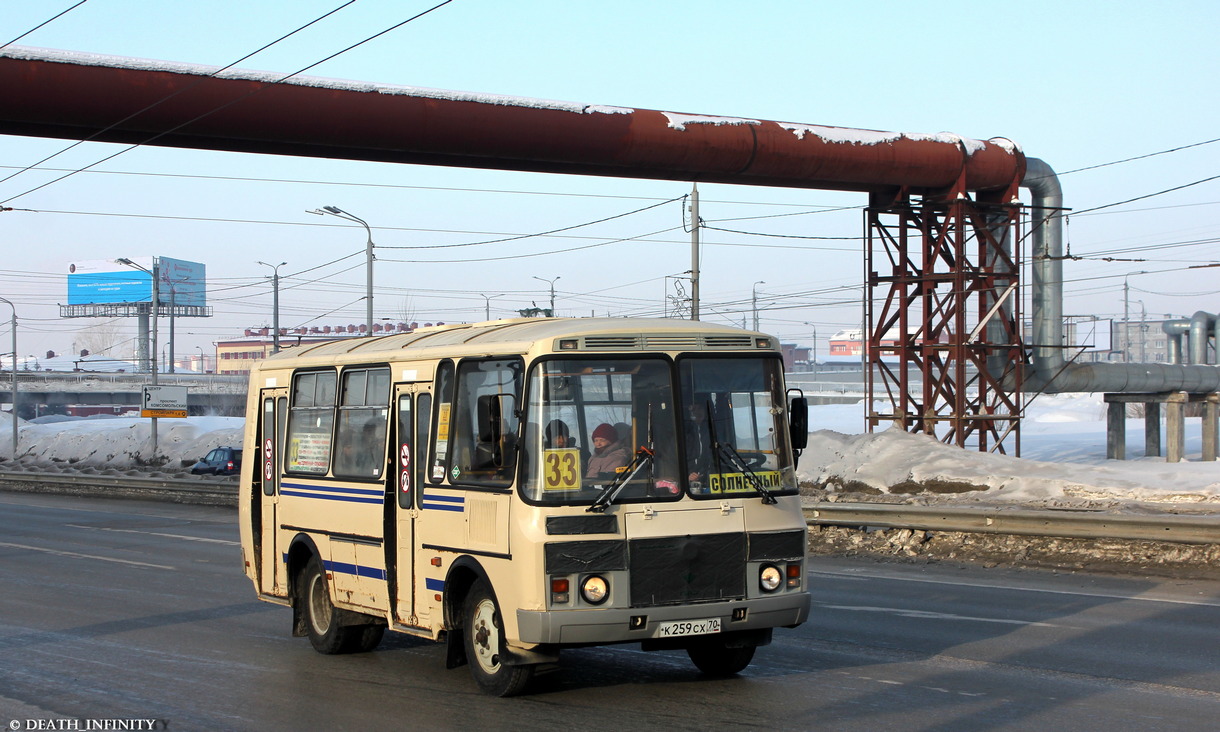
(608, 454)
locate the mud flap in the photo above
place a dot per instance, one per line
(455, 649)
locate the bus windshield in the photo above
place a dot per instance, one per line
(593, 423)
(734, 429)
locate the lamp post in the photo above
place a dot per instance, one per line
(275, 305)
(487, 305)
(814, 357)
(156, 306)
(552, 284)
(203, 362)
(754, 300)
(1127, 316)
(14, 383)
(368, 253)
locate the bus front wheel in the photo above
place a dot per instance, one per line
(322, 625)
(715, 658)
(484, 637)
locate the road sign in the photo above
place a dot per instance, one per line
(164, 401)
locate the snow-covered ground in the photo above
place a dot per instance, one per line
(1063, 463)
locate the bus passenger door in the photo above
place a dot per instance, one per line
(272, 419)
(412, 412)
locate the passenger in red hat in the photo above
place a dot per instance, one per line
(608, 453)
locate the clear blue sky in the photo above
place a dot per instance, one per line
(1076, 84)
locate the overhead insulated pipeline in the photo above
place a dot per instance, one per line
(110, 99)
(1050, 370)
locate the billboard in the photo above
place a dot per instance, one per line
(102, 281)
(105, 282)
(182, 282)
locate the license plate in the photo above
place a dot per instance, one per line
(676, 628)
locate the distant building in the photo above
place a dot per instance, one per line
(236, 356)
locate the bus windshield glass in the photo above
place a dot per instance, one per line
(734, 428)
(596, 423)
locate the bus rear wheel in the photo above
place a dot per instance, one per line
(714, 658)
(322, 625)
(483, 635)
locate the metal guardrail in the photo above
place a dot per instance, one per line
(1050, 523)
(1053, 522)
(176, 490)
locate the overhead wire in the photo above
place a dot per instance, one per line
(246, 95)
(53, 18)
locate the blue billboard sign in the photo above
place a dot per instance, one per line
(102, 281)
(105, 282)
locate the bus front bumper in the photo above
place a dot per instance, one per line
(619, 625)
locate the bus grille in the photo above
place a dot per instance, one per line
(678, 569)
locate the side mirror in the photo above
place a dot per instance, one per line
(798, 421)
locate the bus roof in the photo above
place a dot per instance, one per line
(519, 335)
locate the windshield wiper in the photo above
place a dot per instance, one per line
(642, 459)
(734, 458)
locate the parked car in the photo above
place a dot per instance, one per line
(221, 461)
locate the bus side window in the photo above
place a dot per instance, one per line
(423, 425)
(310, 423)
(484, 421)
(360, 433)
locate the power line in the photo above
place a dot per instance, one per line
(240, 98)
(45, 22)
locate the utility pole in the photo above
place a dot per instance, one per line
(754, 300)
(1126, 322)
(275, 305)
(694, 251)
(155, 310)
(14, 383)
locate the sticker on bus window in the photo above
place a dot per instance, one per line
(442, 434)
(739, 483)
(561, 469)
(309, 452)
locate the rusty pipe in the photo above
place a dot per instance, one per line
(112, 99)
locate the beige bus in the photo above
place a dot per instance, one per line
(515, 487)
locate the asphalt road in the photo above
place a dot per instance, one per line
(135, 610)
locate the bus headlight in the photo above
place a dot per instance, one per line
(770, 578)
(594, 589)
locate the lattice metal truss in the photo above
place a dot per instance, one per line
(943, 315)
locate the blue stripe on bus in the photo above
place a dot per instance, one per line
(440, 507)
(434, 584)
(331, 498)
(356, 569)
(335, 489)
(437, 502)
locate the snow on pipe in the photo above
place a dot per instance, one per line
(112, 99)
(1050, 372)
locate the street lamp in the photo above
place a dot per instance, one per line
(487, 305)
(368, 253)
(552, 284)
(156, 306)
(203, 362)
(14, 384)
(275, 305)
(1127, 316)
(754, 300)
(814, 357)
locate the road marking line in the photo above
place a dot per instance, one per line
(928, 615)
(990, 586)
(156, 533)
(75, 555)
